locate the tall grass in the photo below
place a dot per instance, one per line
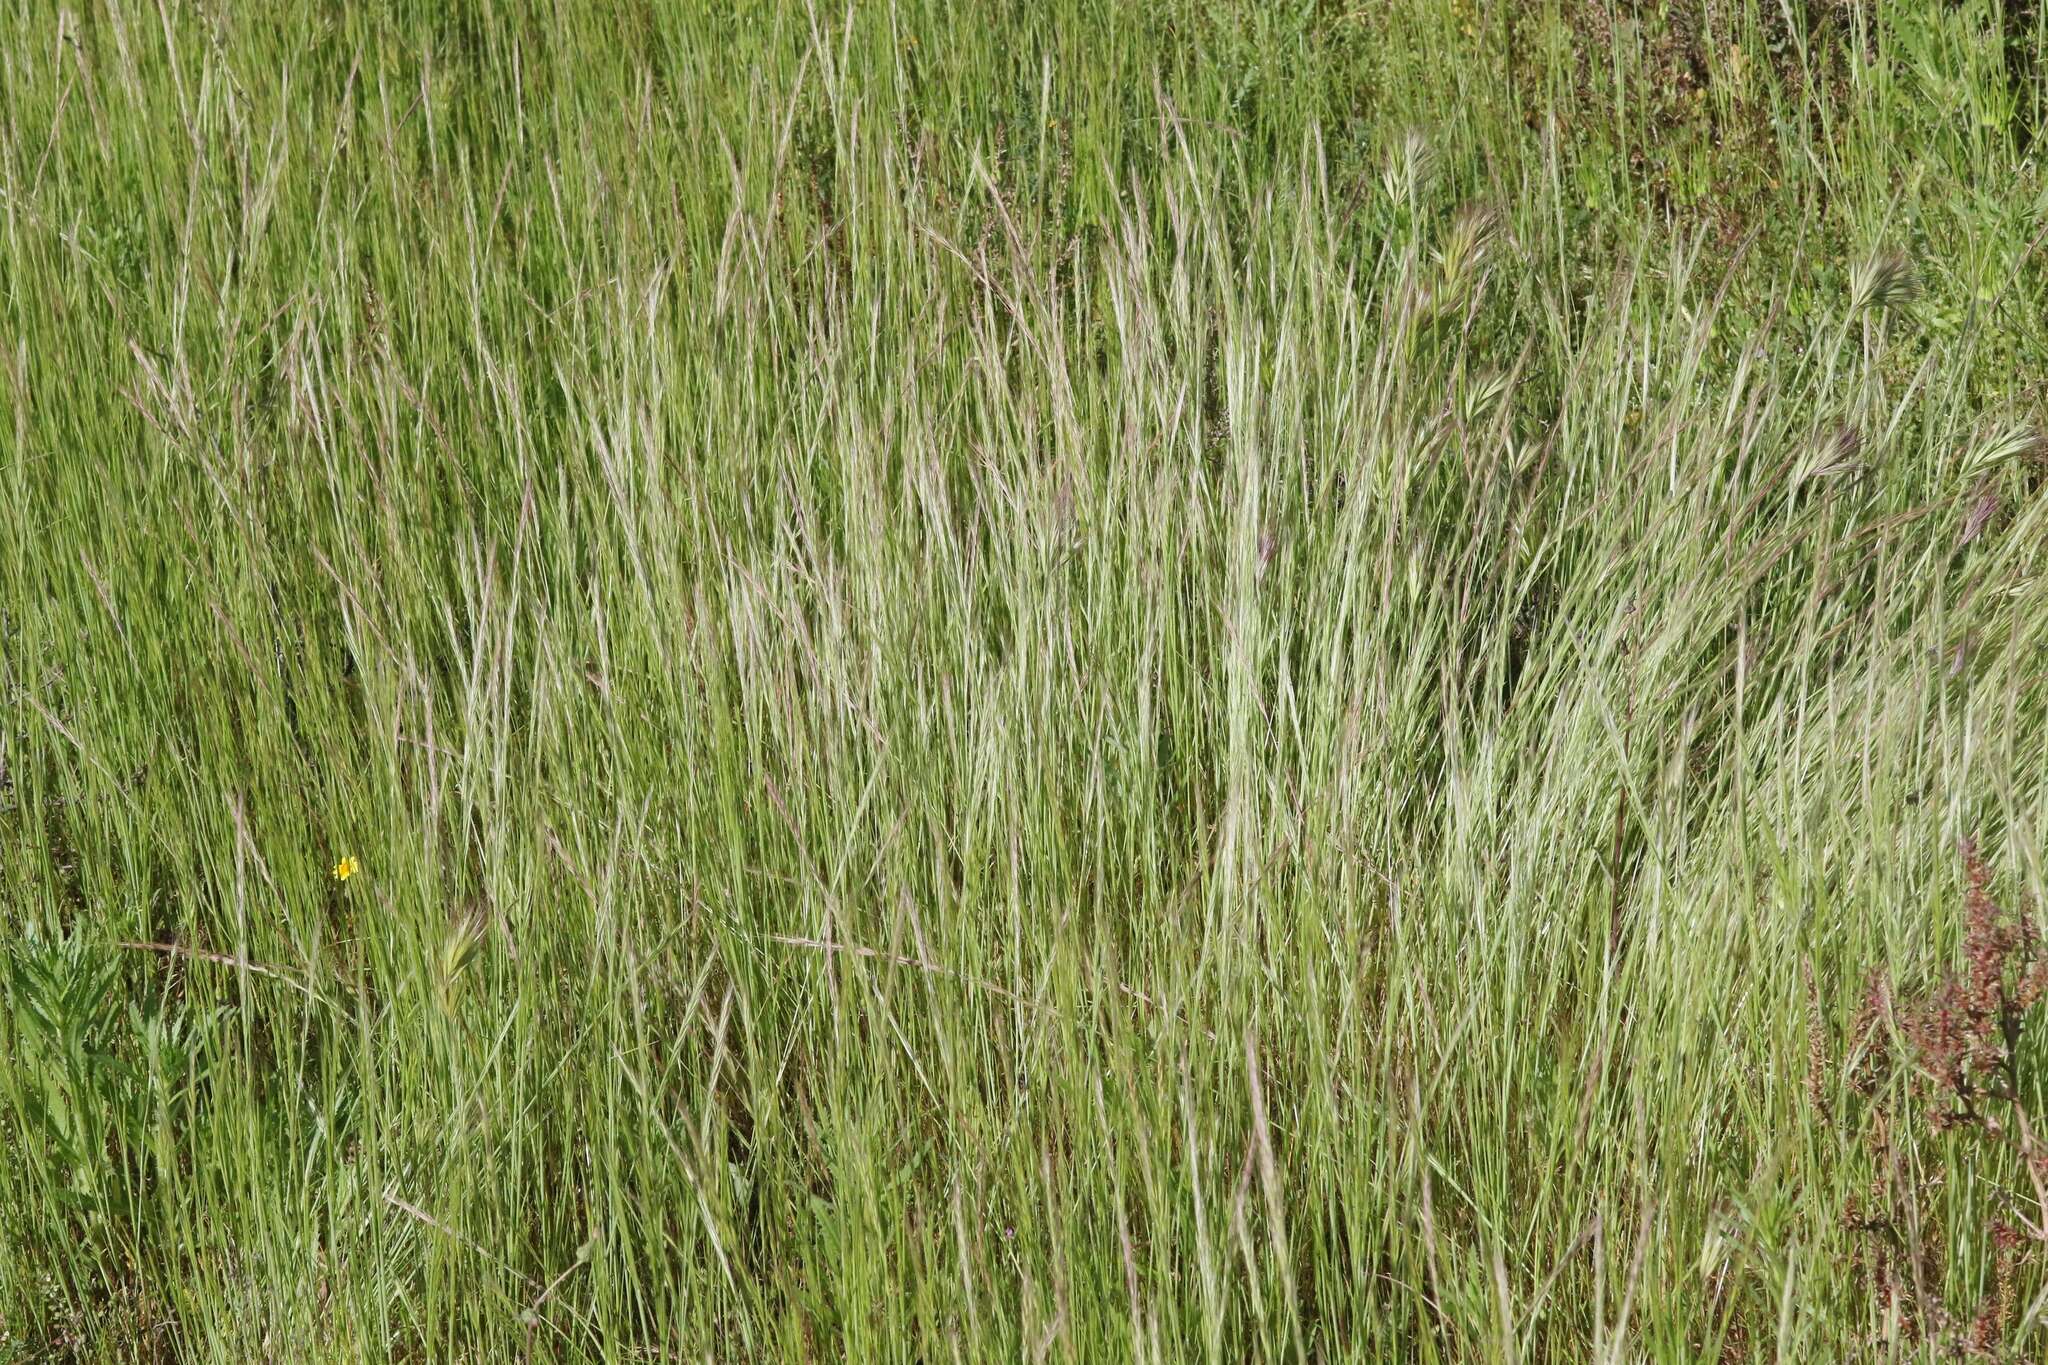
(1183, 683)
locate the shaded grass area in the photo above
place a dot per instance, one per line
(1173, 681)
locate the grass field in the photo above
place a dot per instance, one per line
(1076, 681)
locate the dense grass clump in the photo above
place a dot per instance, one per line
(1172, 681)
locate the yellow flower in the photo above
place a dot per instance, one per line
(345, 869)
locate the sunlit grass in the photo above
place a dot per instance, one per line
(1172, 682)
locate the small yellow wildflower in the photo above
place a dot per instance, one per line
(345, 869)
